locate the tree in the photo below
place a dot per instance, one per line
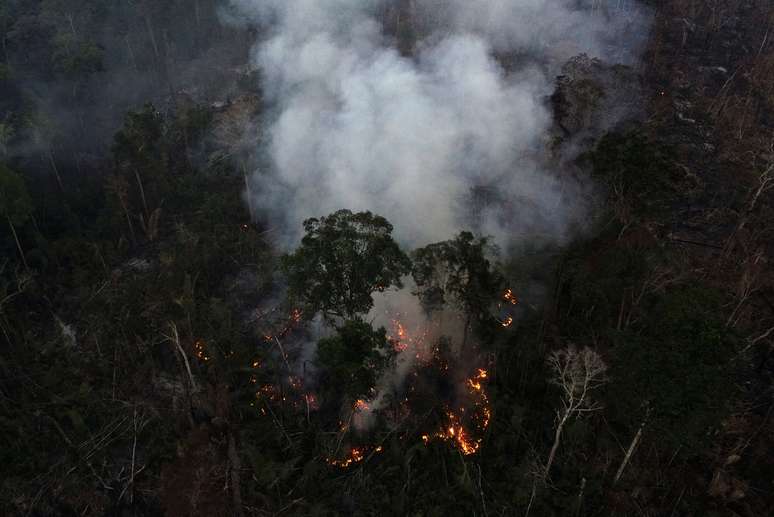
(673, 372)
(577, 373)
(342, 260)
(15, 204)
(141, 154)
(459, 273)
(353, 358)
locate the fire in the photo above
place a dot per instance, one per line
(200, 350)
(356, 455)
(454, 431)
(403, 340)
(507, 322)
(294, 318)
(361, 405)
(311, 400)
(509, 297)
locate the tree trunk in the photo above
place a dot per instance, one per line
(129, 222)
(555, 446)
(132, 59)
(630, 451)
(465, 333)
(236, 466)
(55, 168)
(18, 244)
(249, 195)
(152, 36)
(142, 195)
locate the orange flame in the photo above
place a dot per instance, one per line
(454, 431)
(509, 297)
(200, 350)
(356, 455)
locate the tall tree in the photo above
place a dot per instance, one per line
(342, 260)
(459, 273)
(673, 372)
(577, 373)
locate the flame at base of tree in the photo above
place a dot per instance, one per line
(465, 415)
(467, 437)
(355, 456)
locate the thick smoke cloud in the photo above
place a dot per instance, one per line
(436, 142)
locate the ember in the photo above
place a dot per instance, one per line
(200, 350)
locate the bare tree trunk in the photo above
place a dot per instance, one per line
(69, 17)
(630, 451)
(465, 333)
(55, 168)
(555, 446)
(249, 195)
(18, 244)
(152, 36)
(142, 195)
(236, 466)
(175, 338)
(129, 222)
(131, 53)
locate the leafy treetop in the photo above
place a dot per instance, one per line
(457, 272)
(342, 260)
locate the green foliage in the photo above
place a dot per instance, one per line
(594, 279)
(458, 273)
(76, 59)
(639, 170)
(140, 142)
(15, 203)
(353, 358)
(342, 259)
(677, 365)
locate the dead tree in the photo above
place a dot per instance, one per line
(577, 373)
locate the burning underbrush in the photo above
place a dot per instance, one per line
(426, 387)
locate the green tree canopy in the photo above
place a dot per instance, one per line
(458, 273)
(676, 366)
(353, 358)
(15, 202)
(342, 260)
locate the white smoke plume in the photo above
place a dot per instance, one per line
(452, 137)
(437, 142)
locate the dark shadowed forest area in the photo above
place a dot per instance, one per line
(227, 291)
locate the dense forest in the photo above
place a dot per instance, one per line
(165, 352)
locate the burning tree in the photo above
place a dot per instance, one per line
(577, 373)
(343, 258)
(459, 273)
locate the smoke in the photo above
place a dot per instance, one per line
(445, 129)
(436, 142)
(72, 70)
